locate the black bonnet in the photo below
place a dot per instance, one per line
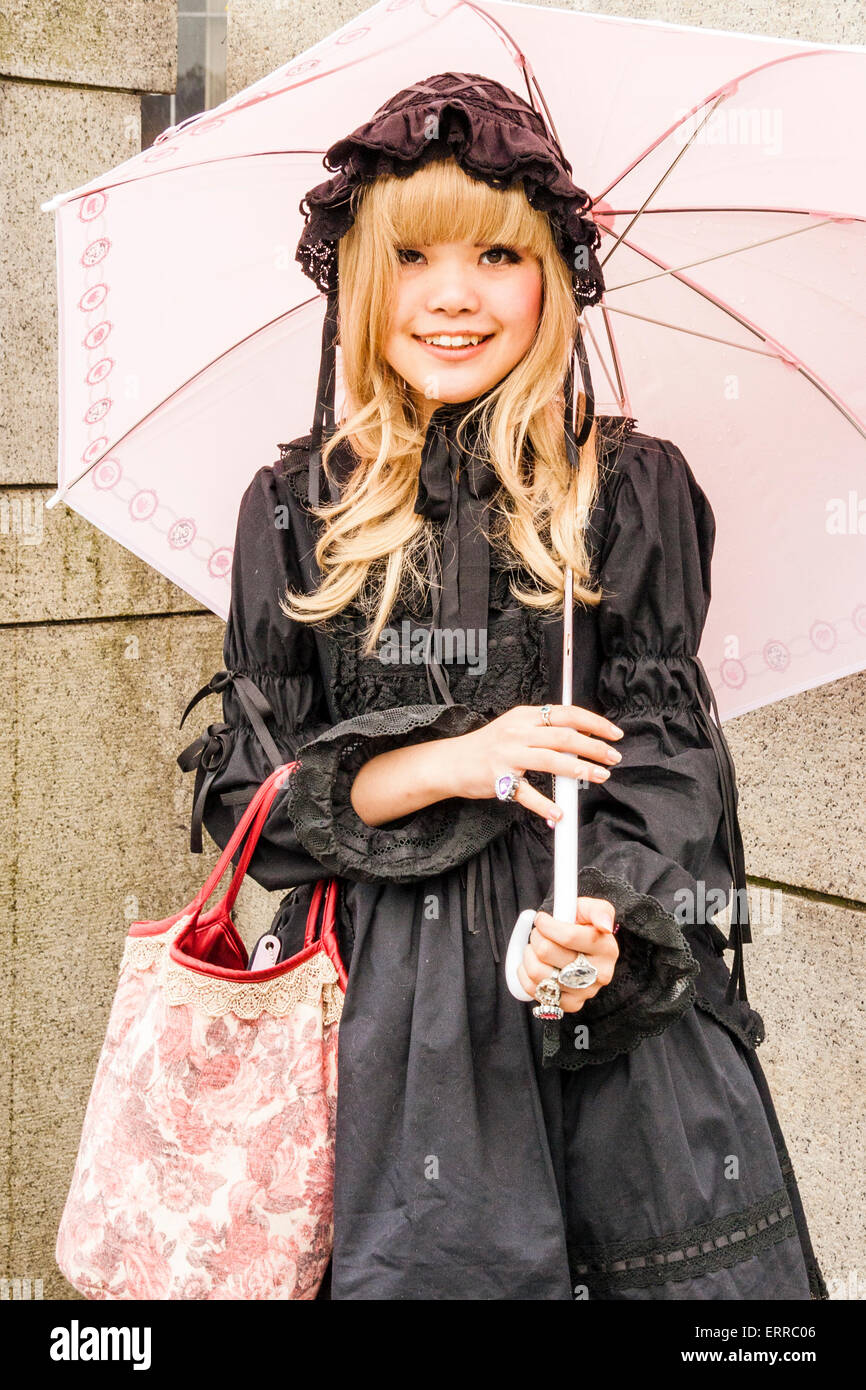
(495, 136)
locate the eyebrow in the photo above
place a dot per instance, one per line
(477, 246)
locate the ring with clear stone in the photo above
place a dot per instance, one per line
(578, 974)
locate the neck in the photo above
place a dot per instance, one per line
(427, 408)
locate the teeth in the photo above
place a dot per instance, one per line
(443, 340)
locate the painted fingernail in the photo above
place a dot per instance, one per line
(551, 822)
(602, 774)
(613, 756)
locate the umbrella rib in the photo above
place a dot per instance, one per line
(727, 89)
(720, 255)
(182, 387)
(86, 190)
(524, 64)
(618, 386)
(623, 395)
(782, 355)
(693, 332)
(783, 352)
(664, 176)
(743, 207)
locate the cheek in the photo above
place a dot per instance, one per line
(397, 344)
(520, 308)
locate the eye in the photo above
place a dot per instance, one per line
(506, 255)
(513, 257)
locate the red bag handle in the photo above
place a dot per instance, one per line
(252, 821)
(313, 913)
(252, 840)
(328, 936)
(255, 814)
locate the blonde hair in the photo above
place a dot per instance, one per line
(373, 541)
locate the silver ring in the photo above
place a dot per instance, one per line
(507, 784)
(547, 994)
(545, 714)
(578, 974)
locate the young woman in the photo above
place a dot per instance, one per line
(406, 638)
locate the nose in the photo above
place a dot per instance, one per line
(452, 291)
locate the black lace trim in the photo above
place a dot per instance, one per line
(652, 986)
(718, 1244)
(410, 849)
(749, 1029)
(515, 669)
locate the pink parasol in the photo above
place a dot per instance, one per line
(730, 193)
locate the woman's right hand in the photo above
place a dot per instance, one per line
(519, 741)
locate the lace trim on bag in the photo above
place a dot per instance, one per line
(688, 1254)
(144, 952)
(313, 982)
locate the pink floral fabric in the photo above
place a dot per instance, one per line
(205, 1168)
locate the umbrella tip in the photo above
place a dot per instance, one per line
(54, 499)
(53, 203)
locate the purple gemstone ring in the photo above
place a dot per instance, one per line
(506, 786)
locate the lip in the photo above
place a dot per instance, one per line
(453, 354)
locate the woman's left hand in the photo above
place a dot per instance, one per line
(553, 944)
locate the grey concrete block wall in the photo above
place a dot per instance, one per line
(101, 654)
(805, 971)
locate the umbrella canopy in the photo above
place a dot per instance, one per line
(731, 199)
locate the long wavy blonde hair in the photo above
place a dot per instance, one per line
(373, 543)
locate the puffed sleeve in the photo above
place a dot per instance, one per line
(271, 696)
(275, 711)
(653, 837)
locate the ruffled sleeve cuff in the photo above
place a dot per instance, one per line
(408, 850)
(652, 986)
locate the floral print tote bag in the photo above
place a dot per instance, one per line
(205, 1166)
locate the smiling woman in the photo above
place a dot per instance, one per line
(473, 308)
(474, 1141)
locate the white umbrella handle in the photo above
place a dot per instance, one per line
(565, 835)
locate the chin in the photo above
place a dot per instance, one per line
(454, 383)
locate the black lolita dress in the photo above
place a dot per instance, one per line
(481, 1154)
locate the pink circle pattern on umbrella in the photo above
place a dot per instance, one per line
(181, 533)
